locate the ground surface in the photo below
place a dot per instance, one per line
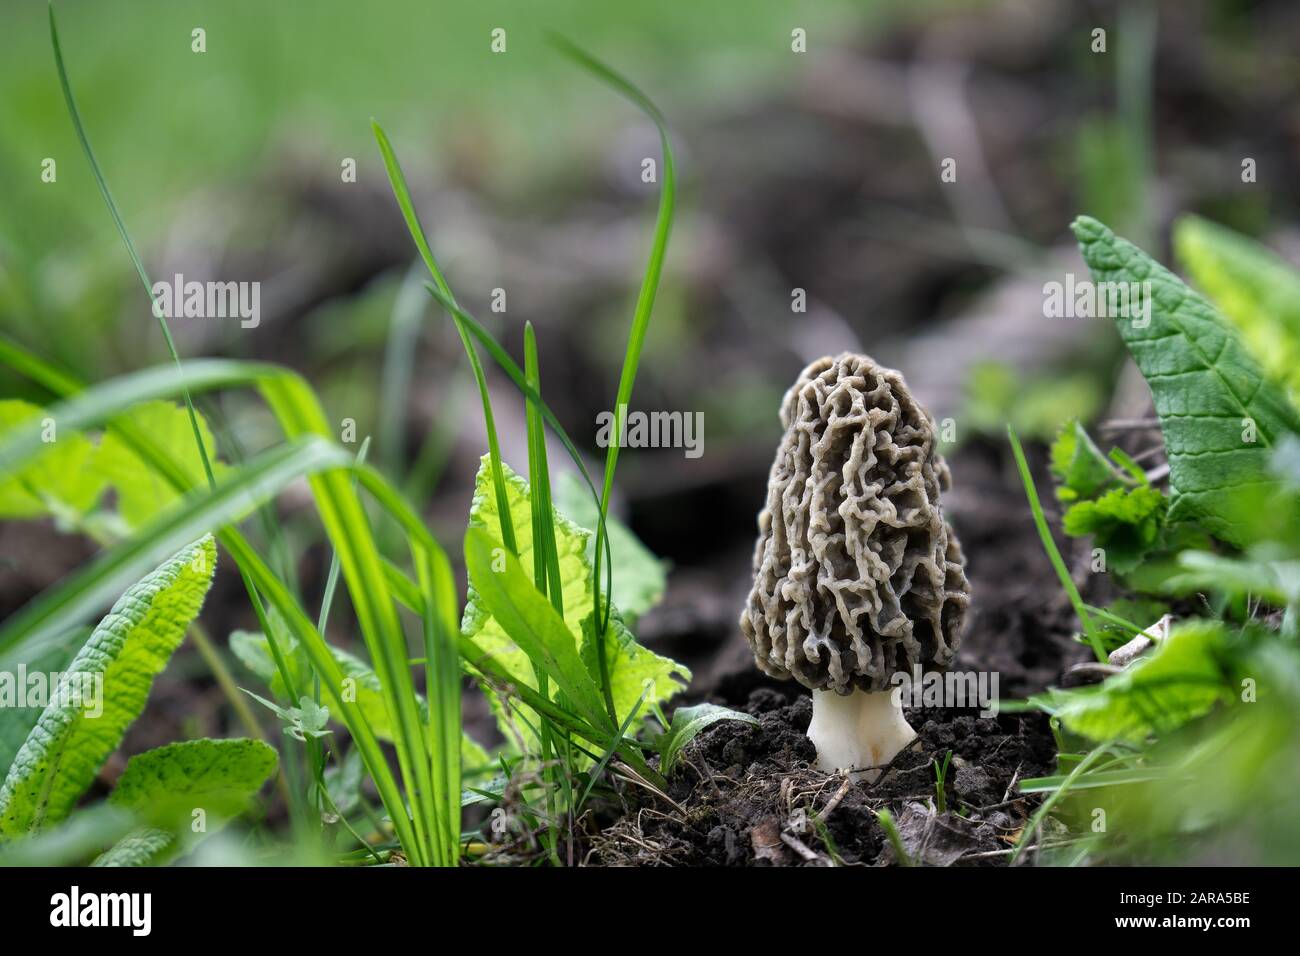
(748, 795)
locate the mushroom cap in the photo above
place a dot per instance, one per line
(856, 574)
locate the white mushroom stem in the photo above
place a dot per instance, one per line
(857, 731)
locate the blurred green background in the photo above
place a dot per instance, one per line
(814, 171)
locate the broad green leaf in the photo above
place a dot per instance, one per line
(146, 846)
(22, 696)
(167, 785)
(220, 777)
(504, 593)
(1220, 416)
(1274, 579)
(573, 543)
(108, 683)
(1124, 522)
(95, 585)
(300, 415)
(141, 492)
(1252, 286)
(1177, 682)
(70, 843)
(59, 480)
(67, 479)
(1078, 465)
(570, 543)
(630, 666)
(640, 578)
(686, 725)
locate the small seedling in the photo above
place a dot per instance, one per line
(887, 824)
(940, 775)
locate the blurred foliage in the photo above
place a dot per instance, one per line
(271, 76)
(1257, 291)
(996, 394)
(1191, 753)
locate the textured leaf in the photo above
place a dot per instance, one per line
(146, 846)
(93, 586)
(1178, 682)
(219, 777)
(639, 577)
(1208, 390)
(1125, 523)
(1078, 465)
(141, 492)
(634, 662)
(127, 649)
(1254, 288)
(687, 724)
(527, 619)
(630, 666)
(59, 480)
(16, 667)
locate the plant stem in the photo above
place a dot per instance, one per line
(1053, 553)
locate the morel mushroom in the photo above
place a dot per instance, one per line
(857, 577)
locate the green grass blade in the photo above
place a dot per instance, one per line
(442, 679)
(1066, 785)
(95, 585)
(299, 413)
(332, 678)
(530, 621)
(98, 406)
(516, 375)
(252, 567)
(640, 319)
(603, 762)
(341, 514)
(1053, 553)
(399, 363)
(546, 559)
(132, 644)
(403, 195)
(546, 568)
(75, 114)
(332, 578)
(53, 380)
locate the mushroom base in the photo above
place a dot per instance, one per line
(858, 731)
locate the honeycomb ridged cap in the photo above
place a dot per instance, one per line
(857, 576)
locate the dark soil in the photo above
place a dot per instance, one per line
(747, 795)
